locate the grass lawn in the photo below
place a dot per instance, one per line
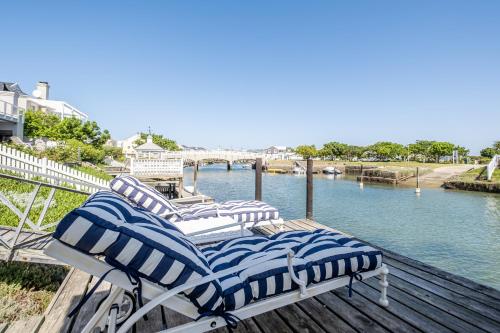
(18, 194)
(27, 289)
(471, 175)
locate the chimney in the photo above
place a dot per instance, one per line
(43, 87)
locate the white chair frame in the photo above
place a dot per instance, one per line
(107, 313)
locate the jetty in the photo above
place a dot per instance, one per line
(422, 298)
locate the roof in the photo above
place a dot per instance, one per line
(149, 146)
(12, 87)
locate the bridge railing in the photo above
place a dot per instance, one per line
(490, 168)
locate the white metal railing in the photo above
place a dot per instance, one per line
(490, 168)
(161, 167)
(29, 166)
(9, 111)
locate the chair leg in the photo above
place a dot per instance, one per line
(102, 316)
(383, 284)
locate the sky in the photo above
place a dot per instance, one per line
(251, 74)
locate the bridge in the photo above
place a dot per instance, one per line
(230, 157)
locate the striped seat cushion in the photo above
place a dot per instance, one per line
(238, 210)
(142, 195)
(319, 256)
(140, 243)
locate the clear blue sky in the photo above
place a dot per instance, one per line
(259, 73)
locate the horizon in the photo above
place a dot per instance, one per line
(254, 75)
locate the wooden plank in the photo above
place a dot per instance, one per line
(375, 312)
(328, 320)
(427, 320)
(68, 295)
(245, 326)
(301, 321)
(25, 326)
(457, 288)
(90, 306)
(447, 294)
(459, 312)
(350, 314)
(270, 322)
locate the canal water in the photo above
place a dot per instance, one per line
(453, 230)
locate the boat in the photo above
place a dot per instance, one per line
(331, 171)
(298, 170)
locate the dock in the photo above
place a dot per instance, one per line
(422, 298)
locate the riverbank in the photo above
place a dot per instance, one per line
(473, 180)
(431, 175)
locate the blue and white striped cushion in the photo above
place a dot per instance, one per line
(319, 256)
(238, 210)
(142, 195)
(139, 242)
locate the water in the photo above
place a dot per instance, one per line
(456, 231)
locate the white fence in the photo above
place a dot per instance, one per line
(29, 166)
(495, 161)
(164, 167)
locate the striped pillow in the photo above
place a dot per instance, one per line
(142, 195)
(141, 243)
(319, 256)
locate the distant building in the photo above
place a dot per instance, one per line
(280, 153)
(14, 101)
(127, 145)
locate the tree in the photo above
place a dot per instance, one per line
(462, 151)
(496, 146)
(439, 149)
(158, 139)
(488, 152)
(333, 150)
(307, 151)
(421, 148)
(386, 150)
(38, 124)
(354, 152)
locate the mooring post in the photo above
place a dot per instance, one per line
(361, 177)
(309, 190)
(417, 189)
(258, 179)
(195, 178)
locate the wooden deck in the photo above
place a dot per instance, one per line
(422, 299)
(29, 246)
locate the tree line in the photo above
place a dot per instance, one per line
(77, 140)
(421, 150)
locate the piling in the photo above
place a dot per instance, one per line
(258, 179)
(195, 178)
(309, 190)
(361, 177)
(417, 189)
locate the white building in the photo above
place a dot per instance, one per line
(280, 153)
(14, 101)
(127, 145)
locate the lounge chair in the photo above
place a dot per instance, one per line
(234, 213)
(144, 255)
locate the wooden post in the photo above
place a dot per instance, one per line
(309, 190)
(417, 189)
(195, 178)
(258, 179)
(361, 177)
